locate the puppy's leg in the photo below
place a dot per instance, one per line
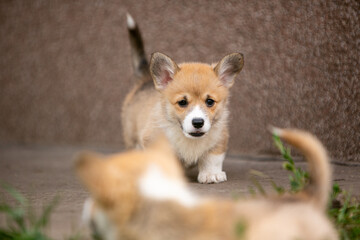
(87, 213)
(210, 166)
(210, 169)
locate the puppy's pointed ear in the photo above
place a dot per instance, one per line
(94, 174)
(87, 167)
(162, 70)
(229, 67)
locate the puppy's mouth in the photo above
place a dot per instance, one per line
(197, 134)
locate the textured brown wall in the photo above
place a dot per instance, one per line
(65, 66)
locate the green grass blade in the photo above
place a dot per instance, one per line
(45, 216)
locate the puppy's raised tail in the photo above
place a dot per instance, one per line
(139, 62)
(317, 191)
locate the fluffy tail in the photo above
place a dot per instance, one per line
(140, 64)
(318, 164)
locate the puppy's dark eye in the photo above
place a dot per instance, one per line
(183, 103)
(209, 102)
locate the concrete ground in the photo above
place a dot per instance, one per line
(41, 173)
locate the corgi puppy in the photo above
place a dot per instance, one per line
(188, 103)
(143, 195)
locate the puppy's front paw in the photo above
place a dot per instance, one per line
(207, 177)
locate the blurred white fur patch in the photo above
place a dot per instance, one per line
(87, 210)
(155, 185)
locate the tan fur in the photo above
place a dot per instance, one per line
(121, 211)
(137, 109)
(145, 109)
(221, 147)
(152, 109)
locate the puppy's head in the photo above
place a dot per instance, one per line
(195, 93)
(119, 184)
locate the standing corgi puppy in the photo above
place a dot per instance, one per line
(143, 195)
(188, 103)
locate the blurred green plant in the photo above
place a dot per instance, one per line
(343, 208)
(240, 229)
(22, 221)
(298, 177)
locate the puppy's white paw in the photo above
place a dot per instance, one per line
(207, 177)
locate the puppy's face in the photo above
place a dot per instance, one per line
(195, 99)
(195, 93)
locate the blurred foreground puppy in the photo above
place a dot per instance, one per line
(142, 195)
(189, 103)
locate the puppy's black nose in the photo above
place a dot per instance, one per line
(198, 122)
